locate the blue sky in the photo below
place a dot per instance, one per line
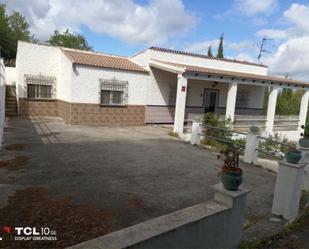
(124, 27)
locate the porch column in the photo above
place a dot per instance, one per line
(181, 95)
(303, 110)
(231, 101)
(271, 110)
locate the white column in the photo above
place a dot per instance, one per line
(288, 189)
(303, 110)
(196, 131)
(271, 110)
(181, 95)
(251, 153)
(231, 101)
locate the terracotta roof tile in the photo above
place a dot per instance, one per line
(167, 50)
(101, 60)
(218, 72)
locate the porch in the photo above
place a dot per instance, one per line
(190, 91)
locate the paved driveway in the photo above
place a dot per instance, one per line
(139, 170)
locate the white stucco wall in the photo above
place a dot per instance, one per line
(46, 60)
(86, 85)
(143, 60)
(2, 98)
(11, 76)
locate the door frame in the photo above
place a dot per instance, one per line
(217, 91)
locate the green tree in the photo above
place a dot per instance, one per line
(69, 40)
(209, 52)
(288, 102)
(220, 48)
(12, 28)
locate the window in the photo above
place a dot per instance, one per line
(39, 86)
(172, 96)
(114, 92)
(242, 98)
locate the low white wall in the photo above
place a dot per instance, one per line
(2, 99)
(213, 224)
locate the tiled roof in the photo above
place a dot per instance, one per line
(218, 72)
(101, 60)
(167, 50)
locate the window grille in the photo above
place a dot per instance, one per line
(40, 86)
(113, 92)
(242, 98)
(173, 93)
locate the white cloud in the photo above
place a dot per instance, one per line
(202, 47)
(291, 56)
(251, 8)
(255, 11)
(153, 23)
(272, 34)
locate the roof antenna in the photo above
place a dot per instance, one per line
(262, 50)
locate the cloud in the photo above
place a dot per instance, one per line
(291, 55)
(255, 11)
(202, 47)
(152, 23)
(252, 8)
(272, 34)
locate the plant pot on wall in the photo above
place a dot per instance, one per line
(293, 156)
(304, 142)
(231, 174)
(231, 179)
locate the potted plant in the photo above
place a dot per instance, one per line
(231, 174)
(293, 155)
(304, 141)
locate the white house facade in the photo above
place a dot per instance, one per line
(156, 85)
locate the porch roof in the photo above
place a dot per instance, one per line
(186, 68)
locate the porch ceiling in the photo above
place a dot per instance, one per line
(227, 76)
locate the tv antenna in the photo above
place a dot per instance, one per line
(262, 50)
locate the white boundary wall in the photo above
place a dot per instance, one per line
(2, 99)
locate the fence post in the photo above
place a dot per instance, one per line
(252, 143)
(196, 131)
(288, 189)
(305, 159)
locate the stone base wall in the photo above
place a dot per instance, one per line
(38, 108)
(88, 114)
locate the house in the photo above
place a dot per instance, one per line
(157, 85)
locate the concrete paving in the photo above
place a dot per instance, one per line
(140, 172)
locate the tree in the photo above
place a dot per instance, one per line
(209, 52)
(69, 40)
(12, 28)
(220, 48)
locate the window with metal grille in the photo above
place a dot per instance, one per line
(242, 98)
(172, 96)
(114, 92)
(40, 86)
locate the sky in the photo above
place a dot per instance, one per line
(125, 27)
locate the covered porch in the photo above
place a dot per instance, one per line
(232, 95)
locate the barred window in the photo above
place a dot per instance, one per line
(242, 98)
(172, 95)
(114, 92)
(40, 86)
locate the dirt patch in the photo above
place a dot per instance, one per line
(32, 207)
(134, 203)
(17, 163)
(16, 147)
